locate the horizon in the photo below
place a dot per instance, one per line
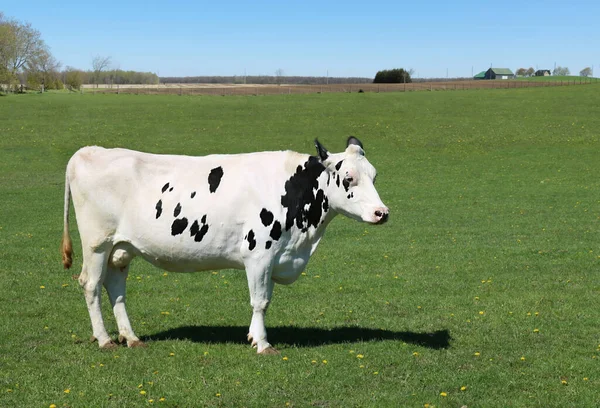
(351, 39)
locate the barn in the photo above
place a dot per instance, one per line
(542, 72)
(499, 73)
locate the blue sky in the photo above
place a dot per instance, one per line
(187, 38)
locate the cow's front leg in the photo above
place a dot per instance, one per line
(261, 290)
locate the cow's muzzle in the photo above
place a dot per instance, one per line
(381, 215)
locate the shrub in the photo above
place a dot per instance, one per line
(392, 76)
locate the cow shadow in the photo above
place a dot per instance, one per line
(302, 336)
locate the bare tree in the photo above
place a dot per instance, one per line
(561, 71)
(44, 68)
(530, 71)
(586, 72)
(99, 64)
(278, 75)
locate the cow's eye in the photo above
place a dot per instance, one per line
(349, 179)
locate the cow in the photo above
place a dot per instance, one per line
(262, 212)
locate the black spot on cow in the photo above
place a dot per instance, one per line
(193, 194)
(337, 181)
(276, 231)
(325, 204)
(171, 189)
(251, 240)
(177, 210)
(178, 226)
(338, 166)
(328, 178)
(351, 195)
(299, 194)
(268, 244)
(199, 232)
(165, 187)
(158, 208)
(266, 217)
(346, 184)
(214, 178)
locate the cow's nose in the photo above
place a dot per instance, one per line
(381, 215)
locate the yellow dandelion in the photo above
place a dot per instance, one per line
(324, 361)
(67, 391)
(476, 297)
(218, 394)
(375, 372)
(351, 351)
(151, 401)
(359, 356)
(522, 358)
(165, 274)
(463, 388)
(171, 354)
(416, 353)
(477, 354)
(536, 330)
(101, 365)
(143, 392)
(140, 385)
(585, 379)
(313, 362)
(161, 399)
(52, 406)
(285, 358)
(481, 312)
(361, 366)
(563, 382)
(443, 394)
(42, 287)
(155, 372)
(426, 405)
(64, 285)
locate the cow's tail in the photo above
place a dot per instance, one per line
(66, 246)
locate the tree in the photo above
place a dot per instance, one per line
(279, 75)
(392, 76)
(530, 71)
(521, 72)
(20, 44)
(561, 71)
(73, 78)
(99, 64)
(44, 68)
(586, 72)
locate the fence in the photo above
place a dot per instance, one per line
(233, 89)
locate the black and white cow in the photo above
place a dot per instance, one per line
(263, 212)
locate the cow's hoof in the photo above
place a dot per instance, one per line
(93, 339)
(109, 345)
(122, 339)
(268, 351)
(136, 343)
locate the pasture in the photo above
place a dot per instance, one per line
(482, 290)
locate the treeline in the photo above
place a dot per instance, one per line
(74, 78)
(264, 79)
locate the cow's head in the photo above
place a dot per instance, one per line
(350, 181)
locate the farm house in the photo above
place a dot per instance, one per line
(481, 75)
(542, 72)
(499, 73)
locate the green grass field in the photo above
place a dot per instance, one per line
(483, 289)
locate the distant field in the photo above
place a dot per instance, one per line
(483, 289)
(270, 89)
(571, 78)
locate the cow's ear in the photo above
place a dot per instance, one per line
(354, 141)
(321, 151)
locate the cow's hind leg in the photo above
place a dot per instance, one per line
(115, 284)
(261, 290)
(91, 279)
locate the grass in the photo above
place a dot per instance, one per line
(485, 277)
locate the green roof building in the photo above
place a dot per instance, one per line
(481, 75)
(499, 73)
